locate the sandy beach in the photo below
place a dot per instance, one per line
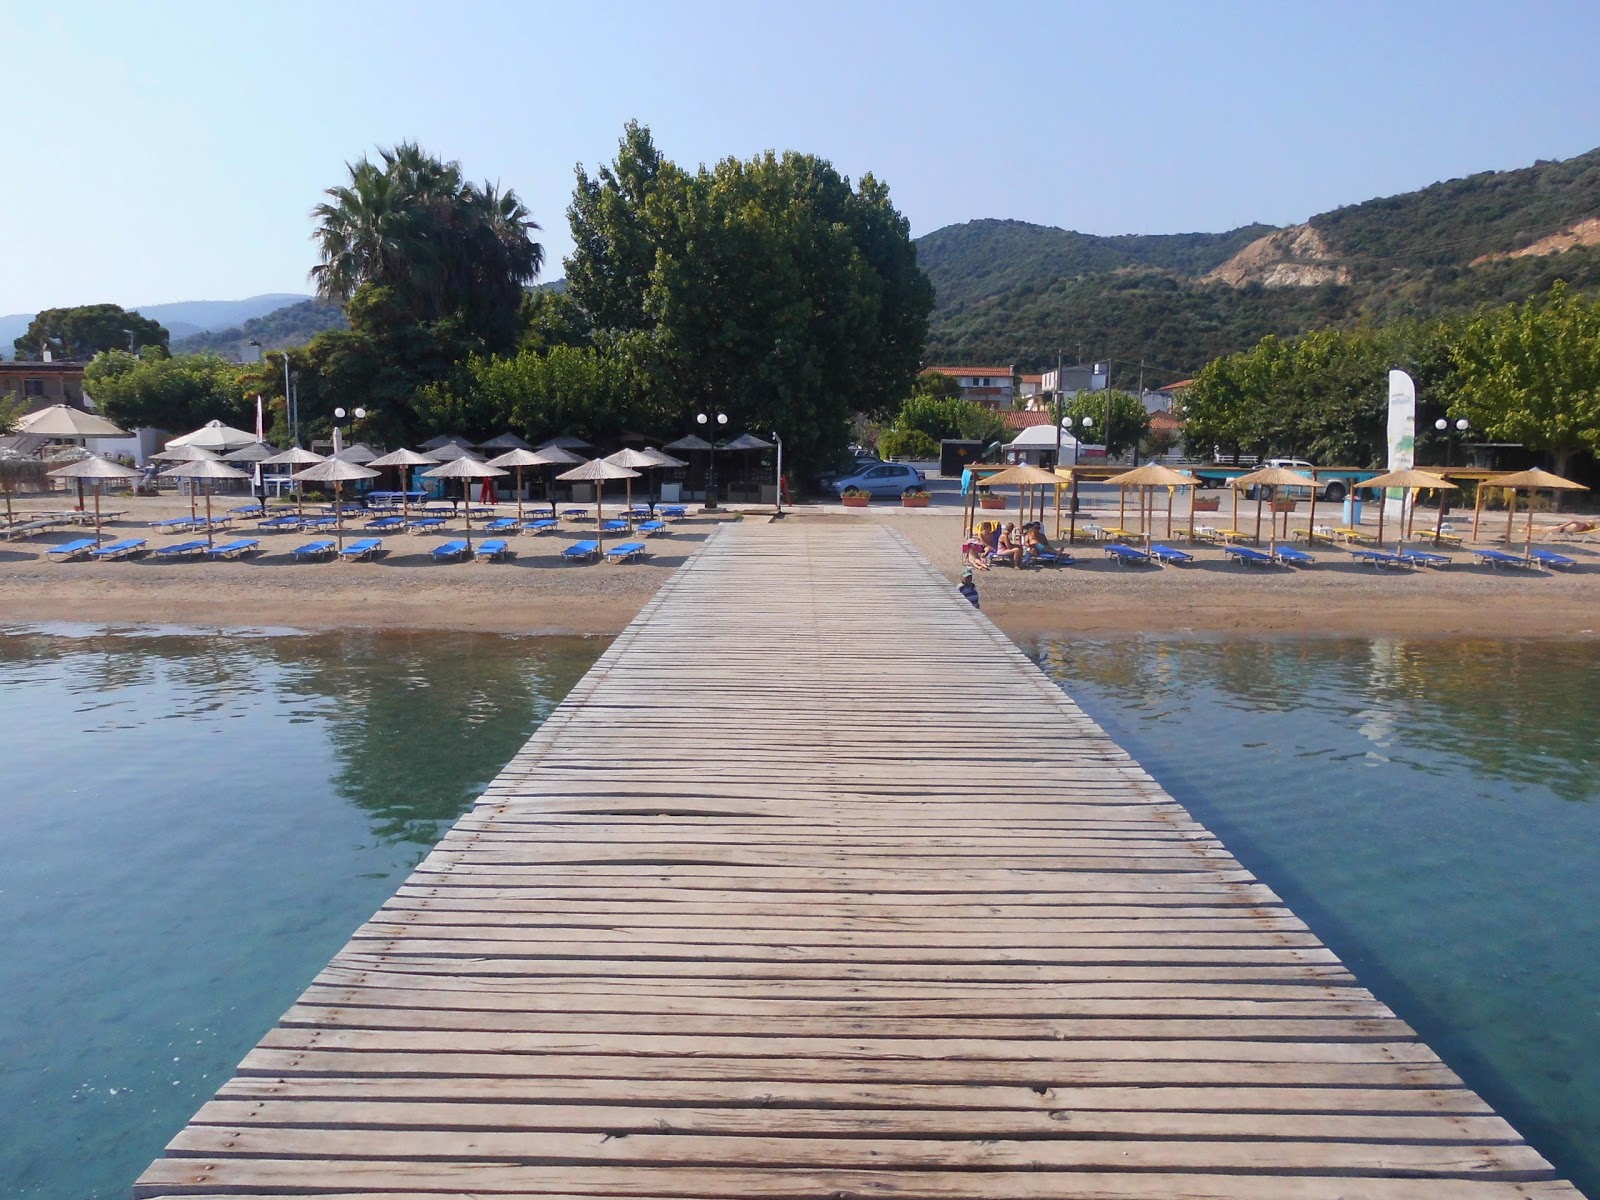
(539, 593)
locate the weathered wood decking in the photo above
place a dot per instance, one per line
(816, 887)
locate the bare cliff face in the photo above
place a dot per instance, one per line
(1292, 257)
(1580, 233)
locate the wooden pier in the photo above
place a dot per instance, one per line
(816, 887)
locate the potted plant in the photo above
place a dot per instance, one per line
(1282, 505)
(854, 497)
(1207, 503)
(985, 500)
(914, 497)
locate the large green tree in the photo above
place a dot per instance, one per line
(1530, 373)
(177, 394)
(88, 329)
(1129, 419)
(442, 247)
(768, 288)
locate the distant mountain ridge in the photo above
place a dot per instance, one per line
(182, 318)
(1008, 291)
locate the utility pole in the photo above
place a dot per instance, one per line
(1055, 411)
(1108, 412)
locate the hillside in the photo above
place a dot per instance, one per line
(1013, 292)
(292, 325)
(183, 318)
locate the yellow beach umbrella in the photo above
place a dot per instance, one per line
(1267, 477)
(1025, 479)
(1148, 478)
(1408, 479)
(1530, 481)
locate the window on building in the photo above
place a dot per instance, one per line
(33, 387)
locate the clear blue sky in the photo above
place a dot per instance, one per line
(162, 152)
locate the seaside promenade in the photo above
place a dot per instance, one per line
(815, 886)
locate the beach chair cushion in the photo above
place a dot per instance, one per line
(542, 525)
(1380, 558)
(626, 551)
(72, 549)
(1170, 554)
(581, 551)
(313, 549)
(1248, 557)
(449, 551)
(122, 549)
(365, 548)
(181, 550)
(493, 550)
(1295, 557)
(236, 549)
(1127, 556)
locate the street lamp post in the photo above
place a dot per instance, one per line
(711, 422)
(1079, 426)
(1443, 426)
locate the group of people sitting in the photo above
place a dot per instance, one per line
(994, 543)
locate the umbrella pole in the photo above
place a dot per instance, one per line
(1311, 517)
(96, 513)
(1383, 494)
(519, 495)
(405, 496)
(1072, 512)
(630, 506)
(466, 509)
(1194, 493)
(1438, 525)
(1511, 512)
(1527, 556)
(1260, 500)
(1235, 521)
(599, 511)
(1122, 506)
(1172, 493)
(338, 514)
(1477, 508)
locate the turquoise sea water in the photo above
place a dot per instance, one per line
(194, 824)
(1430, 808)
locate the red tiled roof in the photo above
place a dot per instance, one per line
(1177, 387)
(1164, 420)
(1006, 371)
(1031, 378)
(1024, 419)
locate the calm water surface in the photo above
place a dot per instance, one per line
(195, 823)
(1429, 807)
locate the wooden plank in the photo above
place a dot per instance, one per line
(740, 920)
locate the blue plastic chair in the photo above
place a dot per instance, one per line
(287, 521)
(386, 523)
(501, 525)
(652, 528)
(542, 525)
(614, 527)
(1426, 558)
(423, 524)
(1552, 559)
(672, 512)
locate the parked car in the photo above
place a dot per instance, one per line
(880, 479)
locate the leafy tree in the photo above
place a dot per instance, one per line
(177, 394)
(1530, 373)
(13, 407)
(938, 418)
(89, 329)
(1129, 420)
(441, 247)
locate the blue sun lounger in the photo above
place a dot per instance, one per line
(493, 550)
(71, 550)
(638, 510)
(1127, 556)
(248, 510)
(1380, 558)
(581, 552)
(319, 522)
(287, 521)
(424, 524)
(318, 549)
(672, 512)
(363, 549)
(575, 514)
(174, 524)
(614, 527)
(1293, 556)
(1426, 558)
(626, 552)
(236, 549)
(449, 551)
(182, 550)
(1499, 558)
(652, 528)
(542, 525)
(1245, 556)
(1551, 559)
(1170, 554)
(126, 548)
(501, 525)
(387, 523)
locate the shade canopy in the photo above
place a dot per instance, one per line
(175, 453)
(522, 457)
(452, 451)
(404, 458)
(445, 439)
(746, 441)
(1536, 480)
(253, 453)
(294, 456)
(62, 420)
(506, 441)
(465, 467)
(564, 442)
(1153, 475)
(1409, 478)
(356, 452)
(597, 470)
(214, 435)
(691, 442)
(661, 458)
(632, 459)
(205, 468)
(1022, 475)
(95, 468)
(335, 470)
(1274, 477)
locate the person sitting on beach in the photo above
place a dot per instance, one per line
(1009, 547)
(975, 554)
(968, 588)
(1034, 541)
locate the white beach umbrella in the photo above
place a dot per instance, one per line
(64, 421)
(214, 435)
(97, 469)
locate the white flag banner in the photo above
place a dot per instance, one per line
(260, 428)
(1402, 432)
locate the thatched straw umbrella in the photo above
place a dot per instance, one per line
(97, 469)
(597, 472)
(404, 460)
(10, 462)
(633, 460)
(1410, 480)
(1530, 481)
(1027, 480)
(209, 469)
(295, 457)
(659, 458)
(506, 441)
(1268, 477)
(464, 468)
(1147, 478)
(337, 472)
(522, 457)
(357, 452)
